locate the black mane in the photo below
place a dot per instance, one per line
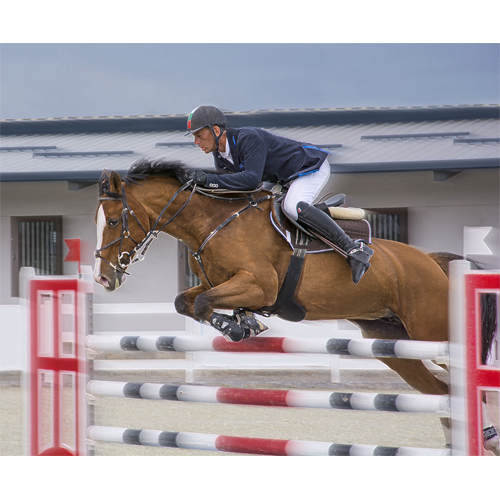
(159, 167)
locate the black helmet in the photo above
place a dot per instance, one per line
(205, 116)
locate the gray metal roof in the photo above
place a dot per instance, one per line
(359, 140)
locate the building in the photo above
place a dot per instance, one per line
(428, 172)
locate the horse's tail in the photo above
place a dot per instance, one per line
(443, 259)
(489, 304)
(489, 326)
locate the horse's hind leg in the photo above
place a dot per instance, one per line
(412, 371)
(491, 441)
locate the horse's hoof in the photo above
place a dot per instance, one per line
(493, 445)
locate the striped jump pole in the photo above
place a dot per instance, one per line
(254, 446)
(410, 403)
(362, 348)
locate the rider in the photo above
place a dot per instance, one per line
(253, 155)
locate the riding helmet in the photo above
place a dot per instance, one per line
(205, 116)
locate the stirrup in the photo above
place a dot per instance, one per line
(363, 249)
(358, 260)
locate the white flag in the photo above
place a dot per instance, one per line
(474, 241)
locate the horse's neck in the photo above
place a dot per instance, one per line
(197, 219)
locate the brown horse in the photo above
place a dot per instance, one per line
(404, 295)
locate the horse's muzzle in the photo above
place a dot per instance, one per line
(111, 282)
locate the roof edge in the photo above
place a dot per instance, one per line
(258, 118)
(80, 176)
(408, 166)
(336, 168)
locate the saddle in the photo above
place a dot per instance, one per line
(349, 219)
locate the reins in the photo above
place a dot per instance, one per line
(140, 249)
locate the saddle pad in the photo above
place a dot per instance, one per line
(228, 191)
(355, 229)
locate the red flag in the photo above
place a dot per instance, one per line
(74, 251)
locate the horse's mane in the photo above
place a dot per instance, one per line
(160, 167)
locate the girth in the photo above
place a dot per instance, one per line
(286, 306)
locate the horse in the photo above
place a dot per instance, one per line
(242, 261)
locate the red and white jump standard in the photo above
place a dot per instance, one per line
(470, 379)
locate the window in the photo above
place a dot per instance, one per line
(388, 223)
(186, 277)
(36, 242)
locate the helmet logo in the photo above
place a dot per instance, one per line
(189, 121)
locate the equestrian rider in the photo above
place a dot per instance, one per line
(253, 155)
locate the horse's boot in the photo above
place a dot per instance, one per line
(247, 320)
(228, 326)
(358, 254)
(491, 441)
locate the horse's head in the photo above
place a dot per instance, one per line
(122, 224)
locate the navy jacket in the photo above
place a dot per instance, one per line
(260, 156)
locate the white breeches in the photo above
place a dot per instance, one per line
(306, 188)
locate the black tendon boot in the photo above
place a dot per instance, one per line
(358, 254)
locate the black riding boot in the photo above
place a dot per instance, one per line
(358, 254)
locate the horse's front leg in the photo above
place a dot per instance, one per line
(242, 291)
(184, 301)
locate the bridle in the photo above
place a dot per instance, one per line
(140, 249)
(126, 259)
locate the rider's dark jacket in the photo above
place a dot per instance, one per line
(260, 156)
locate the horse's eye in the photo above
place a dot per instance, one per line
(113, 222)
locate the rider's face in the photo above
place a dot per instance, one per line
(205, 140)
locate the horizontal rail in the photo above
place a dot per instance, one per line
(363, 348)
(410, 403)
(255, 446)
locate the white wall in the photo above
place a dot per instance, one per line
(12, 339)
(153, 280)
(475, 187)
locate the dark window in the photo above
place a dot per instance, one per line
(37, 243)
(388, 223)
(186, 277)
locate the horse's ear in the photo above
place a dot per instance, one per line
(115, 183)
(109, 182)
(103, 184)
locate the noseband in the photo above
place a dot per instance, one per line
(126, 259)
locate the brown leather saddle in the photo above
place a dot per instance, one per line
(299, 237)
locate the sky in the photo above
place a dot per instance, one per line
(50, 80)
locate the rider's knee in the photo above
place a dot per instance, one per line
(290, 208)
